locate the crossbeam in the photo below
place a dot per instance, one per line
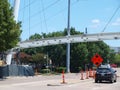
(69, 39)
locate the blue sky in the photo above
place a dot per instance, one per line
(46, 16)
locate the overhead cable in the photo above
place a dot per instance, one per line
(111, 18)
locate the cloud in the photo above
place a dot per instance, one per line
(116, 22)
(95, 23)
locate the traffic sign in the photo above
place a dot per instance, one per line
(97, 59)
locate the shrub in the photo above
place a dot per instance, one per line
(60, 69)
(45, 71)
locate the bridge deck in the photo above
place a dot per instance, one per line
(69, 39)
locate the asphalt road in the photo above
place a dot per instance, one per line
(52, 82)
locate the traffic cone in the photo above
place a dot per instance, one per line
(87, 76)
(90, 73)
(82, 75)
(94, 73)
(63, 78)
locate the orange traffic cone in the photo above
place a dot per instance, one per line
(82, 75)
(63, 77)
(90, 73)
(87, 76)
(94, 73)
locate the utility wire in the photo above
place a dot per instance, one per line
(23, 12)
(40, 17)
(52, 16)
(29, 19)
(47, 7)
(27, 5)
(44, 15)
(111, 18)
(62, 10)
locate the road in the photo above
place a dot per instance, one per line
(52, 82)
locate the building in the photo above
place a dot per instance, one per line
(116, 49)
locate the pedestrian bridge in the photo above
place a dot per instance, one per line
(69, 39)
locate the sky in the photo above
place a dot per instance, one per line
(45, 16)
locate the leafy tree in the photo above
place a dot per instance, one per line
(112, 56)
(81, 53)
(9, 29)
(24, 58)
(30, 51)
(117, 59)
(57, 54)
(39, 60)
(35, 36)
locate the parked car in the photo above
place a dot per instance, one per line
(113, 65)
(105, 73)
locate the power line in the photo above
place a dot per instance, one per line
(111, 18)
(29, 18)
(45, 8)
(25, 6)
(52, 16)
(62, 10)
(23, 13)
(40, 17)
(44, 15)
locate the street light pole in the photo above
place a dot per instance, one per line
(68, 44)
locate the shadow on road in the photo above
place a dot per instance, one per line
(104, 82)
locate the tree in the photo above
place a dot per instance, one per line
(81, 53)
(9, 28)
(39, 60)
(117, 59)
(35, 36)
(24, 58)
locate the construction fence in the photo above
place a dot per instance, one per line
(16, 70)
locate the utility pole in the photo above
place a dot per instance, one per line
(68, 44)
